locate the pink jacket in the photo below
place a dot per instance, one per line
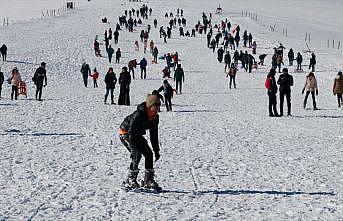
(310, 84)
(15, 79)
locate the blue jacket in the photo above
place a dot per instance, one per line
(143, 63)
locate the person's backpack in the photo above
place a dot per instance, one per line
(268, 83)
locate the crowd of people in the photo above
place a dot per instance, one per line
(224, 37)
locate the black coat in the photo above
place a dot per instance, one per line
(40, 76)
(273, 89)
(136, 125)
(2, 78)
(285, 81)
(110, 80)
(125, 81)
(85, 70)
(179, 75)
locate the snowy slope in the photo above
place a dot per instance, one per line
(222, 157)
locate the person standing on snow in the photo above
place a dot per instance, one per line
(131, 134)
(110, 81)
(142, 64)
(227, 60)
(110, 53)
(95, 77)
(40, 77)
(232, 74)
(313, 63)
(338, 88)
(291, 57)
(124, 81)
(285, 81)
(271, 86)
(220, 54)
(168, 94)
(118, 55)
(86, 71)
(310, 87)
(2, 78)
(299, 61)
(179, 77)
(14, 79)
(3, 51)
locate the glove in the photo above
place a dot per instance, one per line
(317, 92)
(157, 156)
(302, 92)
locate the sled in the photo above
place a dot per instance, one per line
(22, 88)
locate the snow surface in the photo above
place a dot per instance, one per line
(222, 157)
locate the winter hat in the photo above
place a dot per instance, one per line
(43, 64)
(285, 70)
(152, 100)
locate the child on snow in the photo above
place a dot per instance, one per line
(95, 76)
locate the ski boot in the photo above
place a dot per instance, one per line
(131, 180)
(149, 181)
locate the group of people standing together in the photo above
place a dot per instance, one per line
(19, 86)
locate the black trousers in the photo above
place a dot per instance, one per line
(39, 88)
(339, 99)
(0, 90)
(288, 98)
(232, 79)
(133, 72)
(14, 92)
(95, 83)
(179, 85)
(137, 148)
(313, 98)
(85, 80)
(272, 104)
(109, 90)
(143, 70)
(167, 101)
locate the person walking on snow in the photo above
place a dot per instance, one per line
(86, 71)
(310, 87)
(131, 134)
(40, 77)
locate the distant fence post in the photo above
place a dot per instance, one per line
(333, 43)
(306, 37)
(339, 45)
(328, 43)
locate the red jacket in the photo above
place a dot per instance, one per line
(95, 75)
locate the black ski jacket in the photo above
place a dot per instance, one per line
(136, 125)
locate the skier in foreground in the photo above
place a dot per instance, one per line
(131, 133)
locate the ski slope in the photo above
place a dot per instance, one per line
(222, 156)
